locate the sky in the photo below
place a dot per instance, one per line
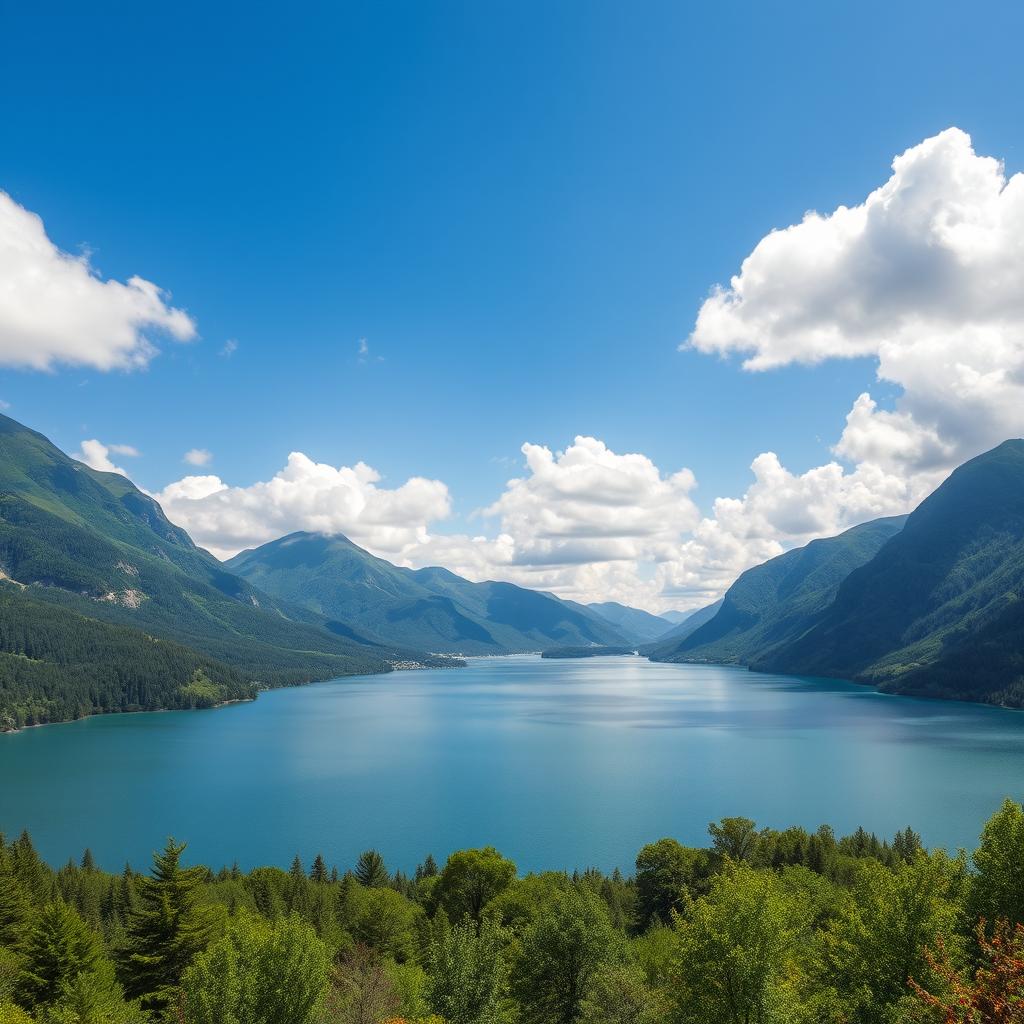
(611, 300)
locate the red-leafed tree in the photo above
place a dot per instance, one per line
(995, 993)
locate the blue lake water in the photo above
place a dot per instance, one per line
(560, 764)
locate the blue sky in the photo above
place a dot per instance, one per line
(519, 207)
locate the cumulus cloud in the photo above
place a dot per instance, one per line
(198, 457)
(925, 276)
(306, 495)
(96, 455)
(55, 308)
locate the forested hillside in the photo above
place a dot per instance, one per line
(96, 553)
(432, 609)
(937, 610)
(759, 927)
(777, 601)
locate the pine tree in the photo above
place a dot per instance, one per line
(167, 930)
(14, 912)
(318, 873)
(60, 948)
(370, 870)
(298, 890)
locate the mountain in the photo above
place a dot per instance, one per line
(675, 617)
(938, 610)
(432, 609)
(634, 624)
(82, 551)
(776, 602)
(688, 623)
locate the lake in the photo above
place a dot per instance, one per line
(560, 764)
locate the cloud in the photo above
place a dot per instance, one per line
(229, 348)
(4, 406)
(96, 455)
(198, 457)
(55, 308)
(307, 495)
(924, 276)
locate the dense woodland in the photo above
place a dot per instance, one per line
(760, 927)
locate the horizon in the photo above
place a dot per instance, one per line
(472, 317)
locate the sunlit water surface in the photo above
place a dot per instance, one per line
(557, 763)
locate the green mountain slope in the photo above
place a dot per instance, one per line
(634, 624)
(97, 550)
(432, 609)
(937, 611)
(774, 603)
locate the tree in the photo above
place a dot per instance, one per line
(470, 880)
(562, 950)
(385, 921)
(884, 938)
(619, 994)
(93, 997)
(60, 947)
(258, 973)
(997, 891)
(167, 930)
(362, 991)
(995, 993)
(734, 945)
(734, 838)
(469, 975)
(665, 872)
(371, 871)
(14, 912)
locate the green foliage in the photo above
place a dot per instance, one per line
(60, 947)
(385, 921)
(470, 880)
(371, 871)
(735, 946)
(258, 973)
(168, 929)
(619, 994)
(469, 975)
(561, 952)
(764, 927)
(666, 872)
(997, 890)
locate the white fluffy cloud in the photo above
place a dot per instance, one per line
(96, 455)
(926, 276)
(198, 457)
(55, 309)
(306, 495)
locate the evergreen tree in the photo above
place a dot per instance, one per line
(167, 930)
(371, 871)
(60, 947)
(298, 901)
(14, 912)
(318, 873)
